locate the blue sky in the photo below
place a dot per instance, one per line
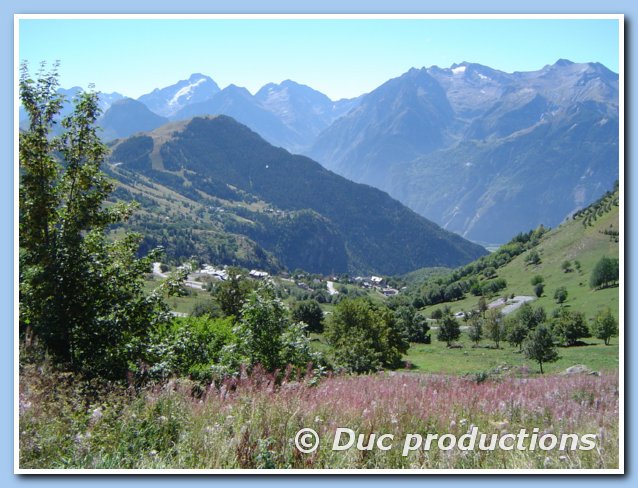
(340, 57)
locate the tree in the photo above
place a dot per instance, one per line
(566, 266)
(494, 326)
(81, 294)
(539, 346)
(232, 293)
(364, 337)
(310, 313)
(533, 258)
(516, 332)
(605, 326)
(530, 316)
(437, 314)
(266, 336)
(482, 306)
(568, 327)
(539, 288)
(413, 325)
(560, 295)
(605, 273)
(449, 330)
(475, 330)
(453, 292)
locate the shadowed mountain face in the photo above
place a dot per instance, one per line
(126, 117)
(290, 206)
(484, 153)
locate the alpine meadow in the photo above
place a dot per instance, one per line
(424, 277)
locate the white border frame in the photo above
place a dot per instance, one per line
(621, 144)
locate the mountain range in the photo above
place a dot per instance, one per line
(481, 152)
(484, 153)
(212, 188)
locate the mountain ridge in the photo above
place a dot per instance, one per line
(217, 159)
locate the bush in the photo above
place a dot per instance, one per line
(560, 295)
(192, 346)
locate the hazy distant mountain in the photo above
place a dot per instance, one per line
(171, 99)
(482, 152)
(288, 115)
(237, 102)
(304, 110)
(236, 184)
(126, 117)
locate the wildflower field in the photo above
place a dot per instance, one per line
(251, 421)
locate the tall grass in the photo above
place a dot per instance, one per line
(250, 422)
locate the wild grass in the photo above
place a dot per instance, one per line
(250, 422)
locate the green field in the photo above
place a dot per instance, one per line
(437, 358)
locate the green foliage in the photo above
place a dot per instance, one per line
(605, 273)
(495, 326)
(537, 279)
(309, 312)
(81, 294)
(267, 336)
(539, 288)
(449, 330)
(560, 295)
(413, 325)
(566, 266)
(515, 333)
(568, 327)
(475, 330)
(530, 316)
(232, 294)
(365, 336)
(604, 204)
(539, 346)
(192, 346)
(533, 258)
(605, 326)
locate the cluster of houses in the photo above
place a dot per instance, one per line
(376, 282)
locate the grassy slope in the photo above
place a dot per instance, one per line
(570, 241)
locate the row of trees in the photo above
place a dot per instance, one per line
(530, 330)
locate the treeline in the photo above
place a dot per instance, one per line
(600, 207)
